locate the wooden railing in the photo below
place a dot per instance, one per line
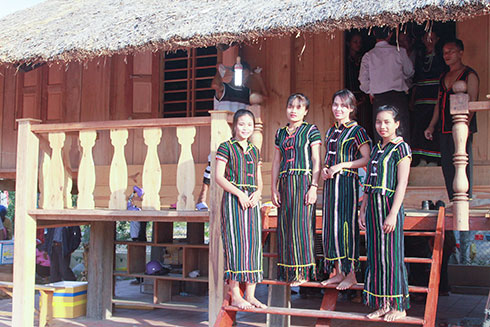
(55, 184)
(55, 178)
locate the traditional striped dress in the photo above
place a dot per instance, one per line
(386, 274)
(241, 229)
(296, 221)
(341, 198)
(428, 69)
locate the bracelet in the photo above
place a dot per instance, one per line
(315, 185)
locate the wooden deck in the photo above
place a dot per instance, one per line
(452, 310)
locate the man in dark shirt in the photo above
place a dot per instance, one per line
(60, 243)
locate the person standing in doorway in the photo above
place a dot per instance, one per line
(384, 75)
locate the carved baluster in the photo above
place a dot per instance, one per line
(459, 110)
(43, 176)
(68, 183)
(257, 136)
(152, 171)
(86, 171)
(118, 175)
(55, 181)
(186, 173)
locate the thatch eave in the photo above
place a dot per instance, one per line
(148, 31)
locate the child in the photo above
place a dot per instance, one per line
(347, 148)
(238, 173)
(295, 171)
(382, 215)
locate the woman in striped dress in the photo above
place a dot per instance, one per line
(347, 148)
(382, 215)
(295, 171)
(238, 173)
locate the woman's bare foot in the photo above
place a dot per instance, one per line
(379, 313)
(348, 281)
(241, 303)
(395, 315)
(297, 282)
(334, 280)
(256, 303)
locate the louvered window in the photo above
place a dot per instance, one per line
(187, 81)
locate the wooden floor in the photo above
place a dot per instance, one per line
(453, 310)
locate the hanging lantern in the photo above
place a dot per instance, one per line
(238, 68)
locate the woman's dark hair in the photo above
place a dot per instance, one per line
(381, 33)
(396, 115)
(300, 96)
(237, 115)
(349, 99)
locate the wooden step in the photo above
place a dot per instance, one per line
(407, 259)
(363, 258)
(138, 305)
(323, 314)
(357, 287)
(406, 233)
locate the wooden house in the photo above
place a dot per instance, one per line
(122, 75)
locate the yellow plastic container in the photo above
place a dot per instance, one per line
(69, 299)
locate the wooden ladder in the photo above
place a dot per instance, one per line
(326, 313)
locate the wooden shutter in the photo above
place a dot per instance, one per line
(29, 93)
(54, 95)
(144, 77)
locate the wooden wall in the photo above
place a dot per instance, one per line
(475, 33)
(310, 64)
(128, 87)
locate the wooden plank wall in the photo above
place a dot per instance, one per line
(9, 128)
(477, 56)
(310, 64)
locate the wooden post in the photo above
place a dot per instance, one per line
(220, 132)
(25, 225)
(186, 173)
(100, 263)
(460, 110)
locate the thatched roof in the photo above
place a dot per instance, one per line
(81, 29)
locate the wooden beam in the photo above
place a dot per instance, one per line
(89, 215)
(122, 124)
(25, 225)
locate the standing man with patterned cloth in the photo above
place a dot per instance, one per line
(295, 172)
(442, 122)
(60, 242)
(384, 75)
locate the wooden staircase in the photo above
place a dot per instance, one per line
(415, 225)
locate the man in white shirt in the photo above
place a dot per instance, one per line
(384, 74)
